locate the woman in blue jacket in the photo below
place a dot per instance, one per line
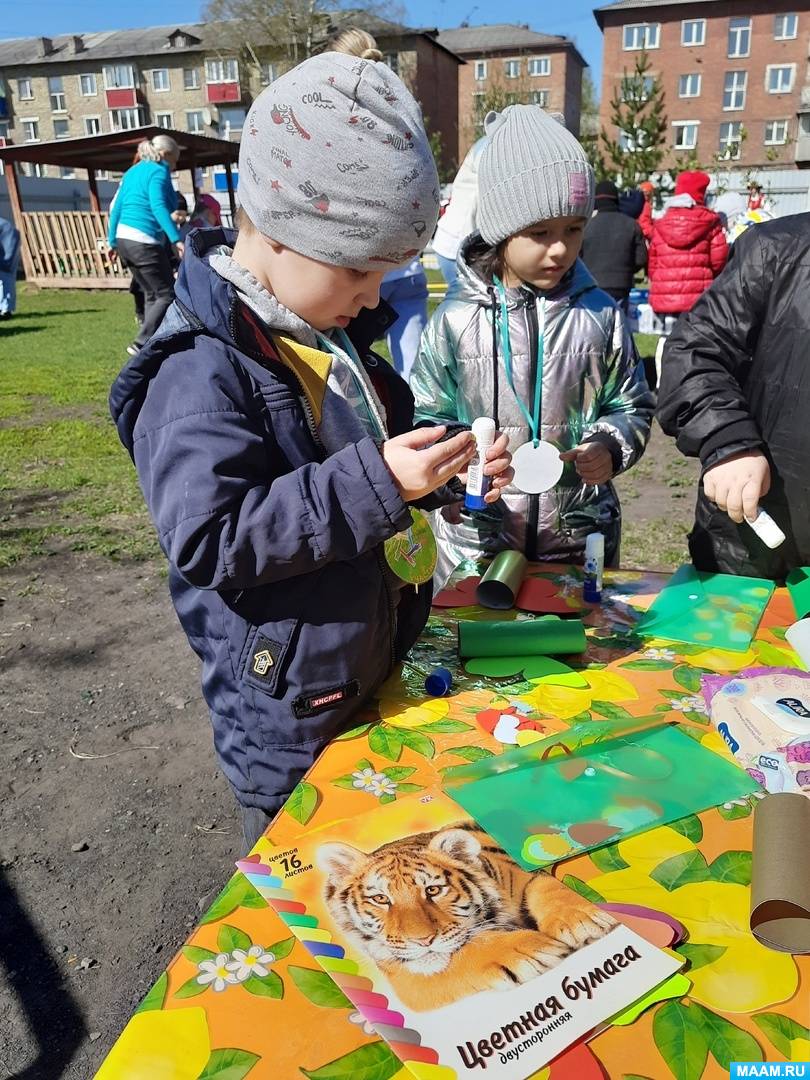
(140, 222)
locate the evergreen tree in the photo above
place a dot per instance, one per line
(638, 113)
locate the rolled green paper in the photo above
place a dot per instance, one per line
(533, 637)
(500, 585)
(798, 583)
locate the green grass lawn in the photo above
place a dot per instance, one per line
(67, 482)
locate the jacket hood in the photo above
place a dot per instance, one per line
(472, 288)
(684, 226)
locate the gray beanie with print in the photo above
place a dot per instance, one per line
(335, 164)
(531, 169)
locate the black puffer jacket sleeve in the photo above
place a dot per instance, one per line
(702, 401)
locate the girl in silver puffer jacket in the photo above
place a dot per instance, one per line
(527, 338)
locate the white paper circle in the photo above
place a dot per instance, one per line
(537, 468)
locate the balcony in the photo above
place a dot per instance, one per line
(122, 99)
(802, 154)
(220, 92)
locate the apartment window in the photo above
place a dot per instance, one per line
(689, 86)
(4, 129)
(478, 106)
(513, 97)
(637, 89)
(642, 36)
(164, 119)
(119, 77)
(511, 69)
(540, 97)
(160, 80)
(219, 71)
(785, 27)
(56, 92)
(67, 172)
(191, 78)
(779, 78)
(392, 60)
(540, 65)
(480, 70)
(30, 129)
(87, 85)
(739, 37)
(194, 121)
(231, 119)
(267, 73)
(776, 132)
(25, 89)
(693, 32)
(734, 90)
(686, 134)
(125, 119)
(730, 140)
(32, 168)
(92, 125)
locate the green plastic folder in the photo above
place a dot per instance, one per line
(544, 811)
(798, 583)
(717, 611)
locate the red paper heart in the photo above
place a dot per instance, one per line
(539, 595)
(462, 594)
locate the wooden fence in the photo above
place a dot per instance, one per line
(67, 249)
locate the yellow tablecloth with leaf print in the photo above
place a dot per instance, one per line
(244, 998)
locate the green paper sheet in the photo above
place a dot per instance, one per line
(717, 611)
(542, 812)
(546, 636)
(499, 586)
(798, 583)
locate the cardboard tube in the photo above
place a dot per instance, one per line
(548, 636)
(500, 585)
(780, 873)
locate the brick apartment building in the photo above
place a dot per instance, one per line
(518, 65)
(180, 77)
(735, 74)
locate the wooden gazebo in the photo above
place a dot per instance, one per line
(67, 248)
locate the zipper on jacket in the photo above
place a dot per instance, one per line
(533, 516)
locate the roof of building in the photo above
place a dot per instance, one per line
(630, 5)
(174, 39)
(479, 40)
(115, 150)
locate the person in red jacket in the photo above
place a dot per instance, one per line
(688, 248)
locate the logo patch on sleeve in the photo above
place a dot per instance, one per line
(321, 700)
(265, 657)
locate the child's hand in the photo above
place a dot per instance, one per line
(498, 466)
(420, 464)
(593, 462)
(737, 484)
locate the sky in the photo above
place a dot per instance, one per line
(67, 16)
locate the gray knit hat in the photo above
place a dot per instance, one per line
(531, 169)
(335, 164)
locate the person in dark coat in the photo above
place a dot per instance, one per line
(614, 247)
(275, 454)
(688, 248)
(735, 392)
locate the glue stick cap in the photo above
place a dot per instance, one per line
(483, 428)
(595, 545)
(767, 530)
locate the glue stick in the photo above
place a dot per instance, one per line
(483, 428)
(766, 529)
(594, 567)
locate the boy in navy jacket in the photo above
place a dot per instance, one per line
(274, 453)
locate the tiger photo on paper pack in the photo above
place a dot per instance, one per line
(448, 949)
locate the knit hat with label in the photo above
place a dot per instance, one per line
(530, 170)
(335, 164)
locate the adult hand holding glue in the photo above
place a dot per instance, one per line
(736, 485)
(490, 469)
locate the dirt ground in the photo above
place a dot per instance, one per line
(114, 820)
